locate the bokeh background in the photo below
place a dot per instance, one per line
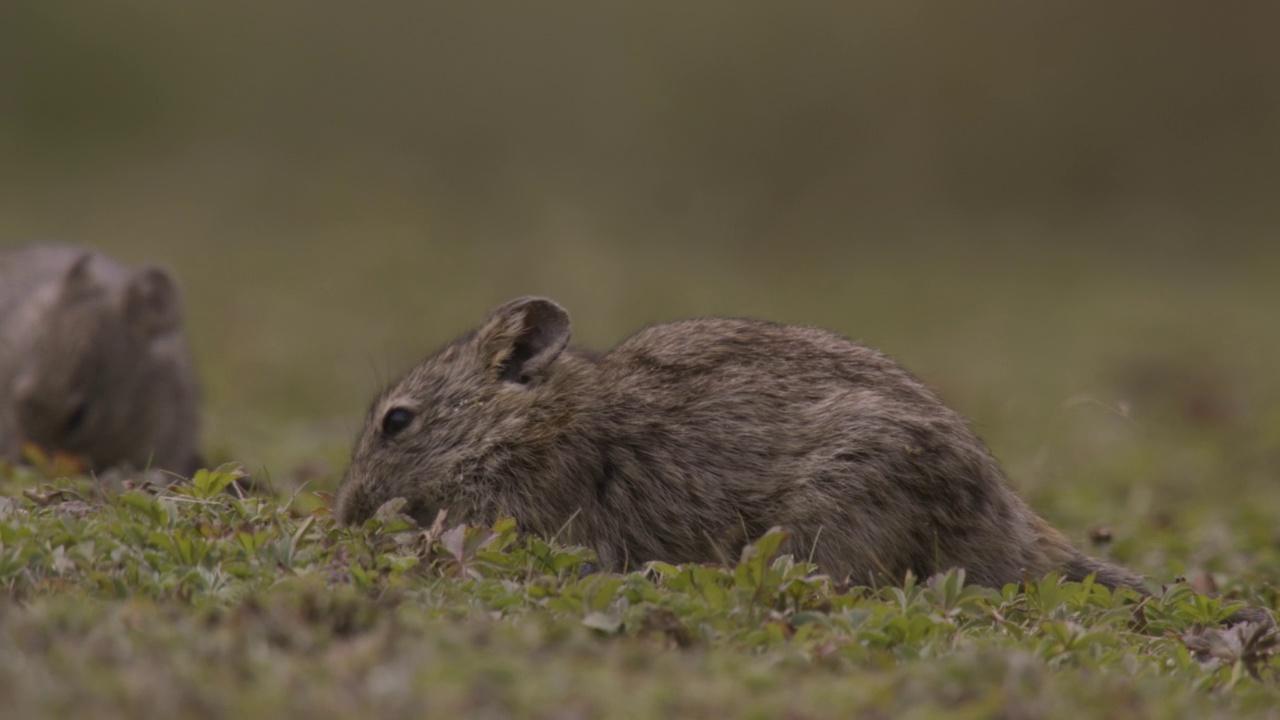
(1062, 214)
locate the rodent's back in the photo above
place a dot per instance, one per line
(726, 359)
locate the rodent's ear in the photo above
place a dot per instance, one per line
(520, 339)
(153, 303)
(79, 281)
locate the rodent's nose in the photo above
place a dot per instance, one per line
(341, 510)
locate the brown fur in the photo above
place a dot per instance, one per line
(93, 362)
(691, 438)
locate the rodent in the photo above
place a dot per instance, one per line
(93, 361)
(691, 438)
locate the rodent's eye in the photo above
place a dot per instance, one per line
(75, 419)
(396, 420)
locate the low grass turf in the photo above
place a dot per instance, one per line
(129, 600)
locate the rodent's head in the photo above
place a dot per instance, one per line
(104, 366)
(474, 427)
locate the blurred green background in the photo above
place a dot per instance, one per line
(1062, 214)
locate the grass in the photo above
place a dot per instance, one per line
(124, 600)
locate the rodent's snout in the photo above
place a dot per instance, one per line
(348, 507)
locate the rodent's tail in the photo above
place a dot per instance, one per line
(1113, 576)
(1075, 566)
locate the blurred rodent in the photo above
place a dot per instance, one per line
(93, 362)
